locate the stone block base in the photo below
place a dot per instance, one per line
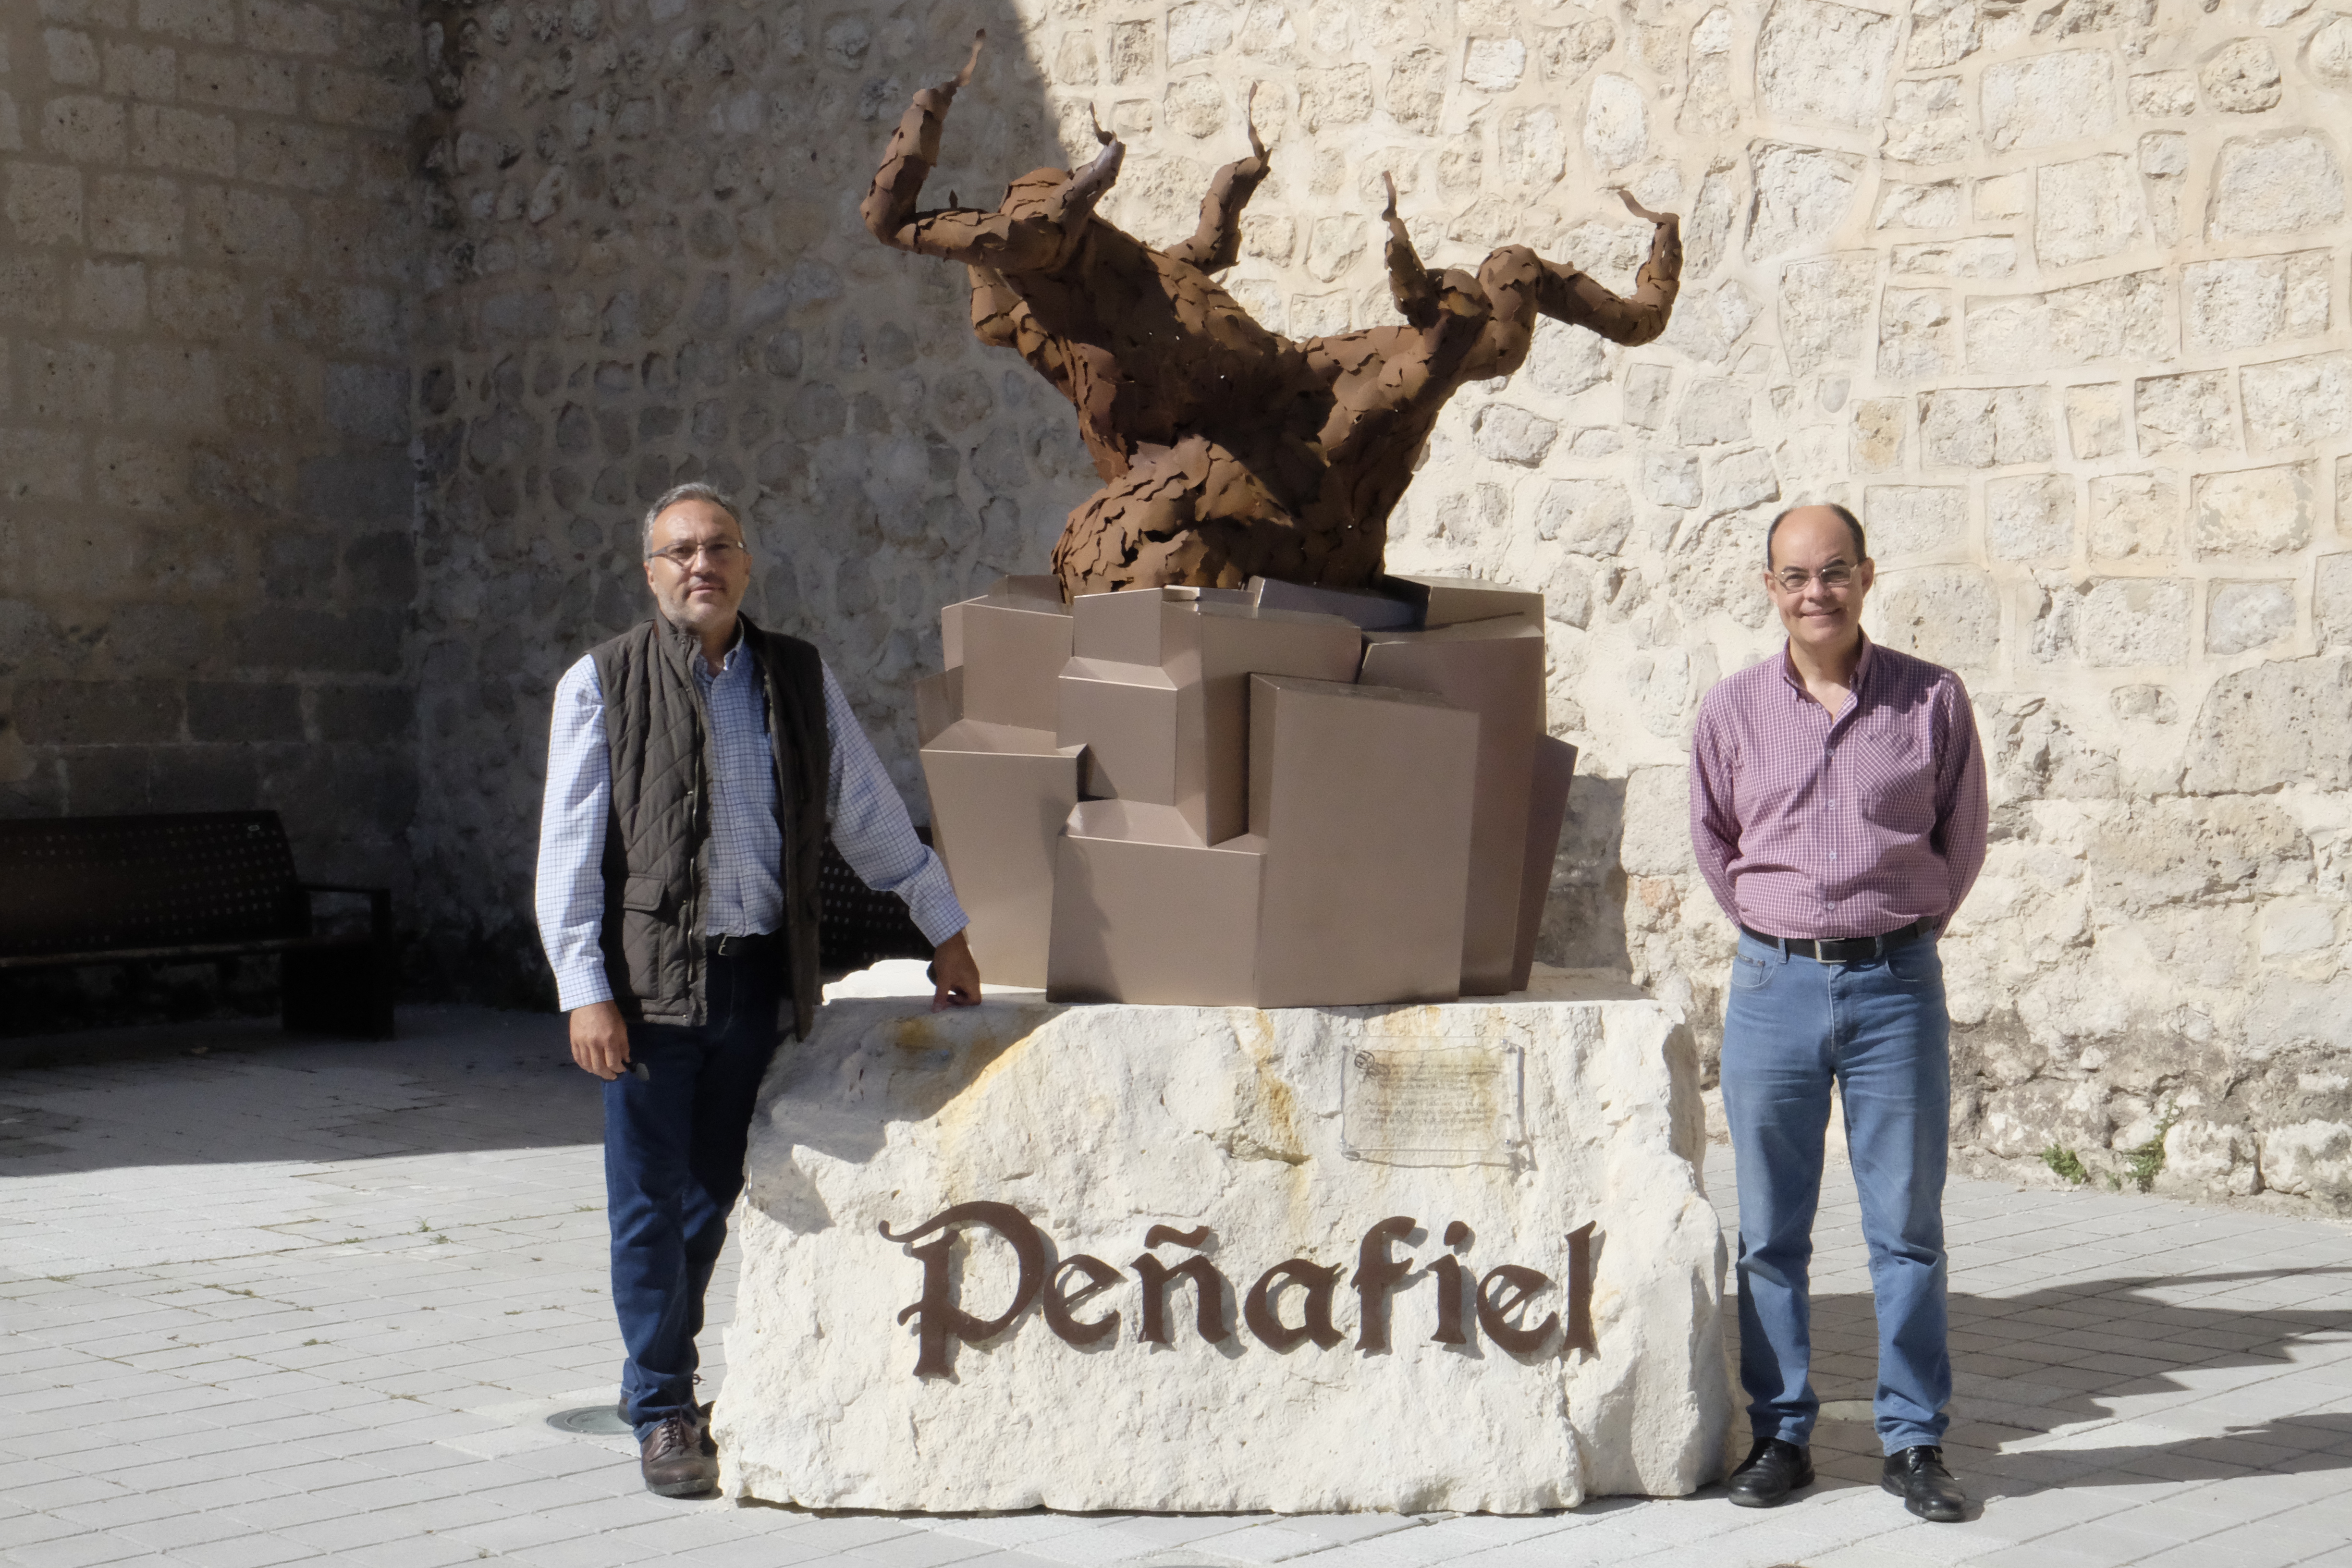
(1451, 1256)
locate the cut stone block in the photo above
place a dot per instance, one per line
(1143, 912)
(1494, 668)
(1451, 601)
(999, 796)
(1200, 645)
(1362, 795)
(1221, 1138)
(1010, 643)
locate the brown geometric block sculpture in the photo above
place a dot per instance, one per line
(1442, 602)
(1143, 912)
(1242, 803)
(1149, 658)
(1010, 643)
(1494, 668)
(1361, 797)
(1000, 781)
(999, 796)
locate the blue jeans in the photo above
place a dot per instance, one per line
(673, 1166)
(1877, 1028)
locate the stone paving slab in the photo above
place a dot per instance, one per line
(276, 1301)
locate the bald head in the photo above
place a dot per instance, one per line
(1853, 526)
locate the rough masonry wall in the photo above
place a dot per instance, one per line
(2054, 294)
(646, 265)
(205, 566)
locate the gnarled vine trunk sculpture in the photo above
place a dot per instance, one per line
(1227, 451)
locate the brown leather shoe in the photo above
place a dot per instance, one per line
(679, 1459)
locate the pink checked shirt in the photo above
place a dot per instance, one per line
(1807, 825)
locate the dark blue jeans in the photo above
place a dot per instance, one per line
(1878, 1028)
(673, 1166)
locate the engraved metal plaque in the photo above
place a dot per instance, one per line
(1448, 1105)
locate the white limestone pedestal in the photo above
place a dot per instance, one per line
(1592, 1364)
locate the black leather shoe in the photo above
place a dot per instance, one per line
(678, 1459)
(1773, 1470)
(1918, 1475)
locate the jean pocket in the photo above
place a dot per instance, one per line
(1916, 963)
(1748, 973)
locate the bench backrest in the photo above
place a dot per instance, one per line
(89, 884)
(860, 926)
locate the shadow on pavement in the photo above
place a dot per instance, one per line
(457, 1080)
(2070, 1353)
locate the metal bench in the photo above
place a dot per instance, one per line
(187, 889)
(860, 926)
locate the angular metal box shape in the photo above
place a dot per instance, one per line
(1198, 646)
(1188, 795)
(999, 796)
(1362, 796)
(1494, 668)
(1143, 912)
(1010, 643)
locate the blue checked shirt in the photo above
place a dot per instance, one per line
(869, 823)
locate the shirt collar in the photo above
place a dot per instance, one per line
(690, 648)
(1861, 667)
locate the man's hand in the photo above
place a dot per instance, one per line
(955, 973)
(600, 1038)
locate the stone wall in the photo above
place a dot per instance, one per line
(644, 265)
(206, 565)
(2053, 293)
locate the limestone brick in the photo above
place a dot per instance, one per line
(2242, 616)
(2031, 518)
(2065, 96)
(135, 214)
(2192, 413)
(44, 203)
(2298, 402)
(2242, 77)
(1912, 521)
(2251, 512)
(2086, 209)
(2135, 517)
(2283, 182)
(1946, 615)
(2246, 302)
(2331, 603)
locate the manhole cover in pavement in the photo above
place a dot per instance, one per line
(592, 1421)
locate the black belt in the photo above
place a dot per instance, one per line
(1847, 949)
(735, 945)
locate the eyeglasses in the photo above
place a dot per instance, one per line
(722, 553)
(1837, 575)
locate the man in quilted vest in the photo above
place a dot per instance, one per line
(696, 766)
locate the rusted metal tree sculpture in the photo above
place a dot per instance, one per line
(1228, 451)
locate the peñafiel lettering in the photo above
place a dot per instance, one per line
(1501, 1304)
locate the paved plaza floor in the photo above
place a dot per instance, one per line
(268, 1301)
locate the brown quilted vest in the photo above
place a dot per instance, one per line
(657, 859)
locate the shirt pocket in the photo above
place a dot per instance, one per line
(1891, 777)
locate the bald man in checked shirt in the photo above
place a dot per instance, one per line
(1838, 815)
